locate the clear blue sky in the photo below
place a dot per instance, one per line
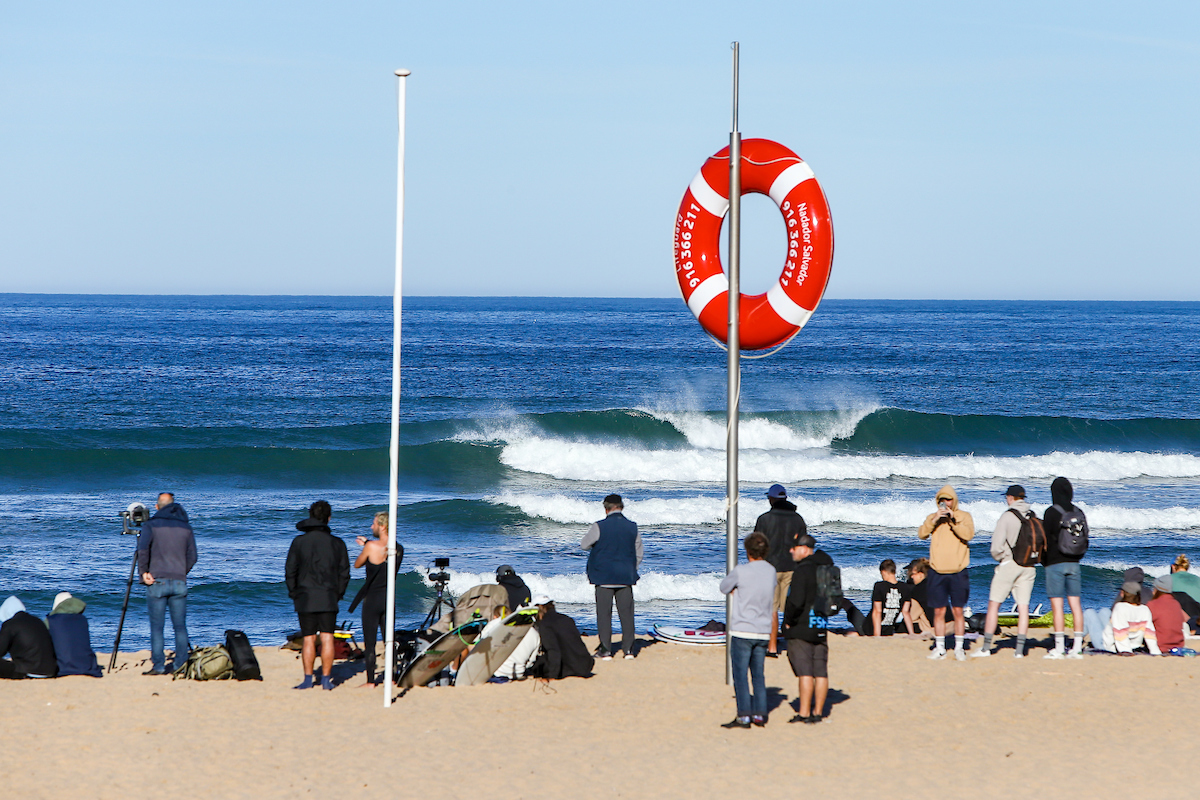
(1007, 151)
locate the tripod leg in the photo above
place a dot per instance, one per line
(112, 661)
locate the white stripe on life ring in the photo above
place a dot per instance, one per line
(707, 197)
(789, 179)
(787, 308)
(707, 291)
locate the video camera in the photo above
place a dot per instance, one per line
(134, 517)
(442, 577)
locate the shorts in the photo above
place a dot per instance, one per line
(808, 660)
(1062, 579)
(783, 581)
(1012, 578)
(948, 590)
(318, 622)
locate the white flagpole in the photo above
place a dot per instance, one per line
(389, 635)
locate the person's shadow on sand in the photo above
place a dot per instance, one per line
(832, 699)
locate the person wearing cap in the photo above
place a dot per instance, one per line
(1170, 623)
(1009, 577)
(781, 525)
(518, 592)
(25, 638)
(1131, 625)
(565, 654)
(806, 630)
(948, 530)
(1062, 571)
(615, 547)
(72, 641)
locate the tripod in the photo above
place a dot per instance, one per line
(440, 579)
(128, 517)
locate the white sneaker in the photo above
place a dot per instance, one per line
(1055, 655)
(959, 655)
(1018, 654)
(1075, 654)
(937, 655)
(982, 652)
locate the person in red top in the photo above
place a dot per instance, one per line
(1167, 615)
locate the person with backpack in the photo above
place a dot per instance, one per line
(317, 573)
(1017, 543)
(815, 589)
(1066, 541)
(948, 530)
(781, 525)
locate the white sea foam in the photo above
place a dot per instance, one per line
(755, 433)
(1151, 570)
(589, 461)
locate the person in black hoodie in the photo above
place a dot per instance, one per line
(1062, 570)
(166, 554)
(25, 638)
(317, 573)
(781, 525)
(564, 653)
(806, 630)
(72, 642)
(518, 592)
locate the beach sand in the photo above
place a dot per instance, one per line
(899, 726)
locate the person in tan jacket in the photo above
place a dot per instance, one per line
(948, 530)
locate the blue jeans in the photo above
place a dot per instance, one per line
(159, 595)
(749, 655)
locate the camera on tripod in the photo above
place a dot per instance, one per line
(134, 517)
(441, 576)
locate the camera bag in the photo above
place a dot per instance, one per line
(245, 664)
(206, 664)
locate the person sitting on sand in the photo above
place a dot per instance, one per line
(317, 573)
(1170, 624)
(948, 530)
(1131, 625)
(72, 641)
(918, 609)
(806, 630)
(891, 603)
(564, 655)
(1186, 588)
(24, 637)
(373, 594)
(751, 619)
(518, 592)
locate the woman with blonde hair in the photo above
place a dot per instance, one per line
(373, 594)
(1186, 587)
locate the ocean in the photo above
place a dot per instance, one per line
(520, 414)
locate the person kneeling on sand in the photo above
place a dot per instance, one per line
(750, 622)
(25, 638)
(806, 630)
(564, 654)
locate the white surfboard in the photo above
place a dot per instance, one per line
(494, 647)
(679, 635)
(440, 655)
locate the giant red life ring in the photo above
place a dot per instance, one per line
(769, 319)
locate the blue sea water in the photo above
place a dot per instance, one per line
(519, 414)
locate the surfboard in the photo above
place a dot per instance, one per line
(440, 655)
(494, 647)
(678, 635)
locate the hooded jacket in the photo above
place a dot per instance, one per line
(25, 638)
(1061, 495)
(167, 545)
(781, 525)
(518, 592)
(317, 569)
(72, 641)
(1005, 535)
(799, 619)
(948, 536)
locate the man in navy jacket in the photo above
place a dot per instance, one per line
(166, 554)
(616, 552)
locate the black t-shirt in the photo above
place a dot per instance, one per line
(893, 596)
(919, 594)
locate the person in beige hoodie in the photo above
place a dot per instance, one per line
(948, 530)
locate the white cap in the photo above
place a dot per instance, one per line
(540, 599)
(58, 598)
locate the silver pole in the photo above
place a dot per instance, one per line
(734, 363)
(389, 633)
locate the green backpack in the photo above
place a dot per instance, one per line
(206, 664)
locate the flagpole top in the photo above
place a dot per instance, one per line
(403, 73)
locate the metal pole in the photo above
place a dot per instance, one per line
(734, 362)
(389, 634)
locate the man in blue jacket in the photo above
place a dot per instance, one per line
(616, 552)
(166, 554)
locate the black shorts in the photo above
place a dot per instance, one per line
(808, 660)
(319, 622)
(948, 590)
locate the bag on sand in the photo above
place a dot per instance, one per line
(1073, 532)
(245, 663)
(1031, 540)
(829, 590)
(206, 664)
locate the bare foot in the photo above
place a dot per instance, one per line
(368, 683)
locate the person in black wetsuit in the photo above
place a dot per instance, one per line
(518, 592)
(373, 594)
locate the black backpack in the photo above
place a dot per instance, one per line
(1072, 532)
(829, 590)
(1031, 540)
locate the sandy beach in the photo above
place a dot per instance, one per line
(899, 724)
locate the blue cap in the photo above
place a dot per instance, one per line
(777, 492)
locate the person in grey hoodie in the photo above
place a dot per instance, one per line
(166, 554)
(750, 624)
(1010, 577)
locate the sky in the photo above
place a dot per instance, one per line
(1007, 151)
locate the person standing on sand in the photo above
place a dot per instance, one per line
(781, 525)
(317, 573)
(1062, 570)
(373, 594)
(948, 530)
(615, 547)
(753, 587)
(806, 631)
(1010, 577)
(166, 554)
